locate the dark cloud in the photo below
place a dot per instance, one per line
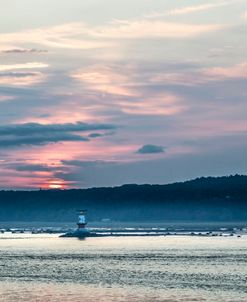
(80, 172)
(18, 74)
(36, 128)
(39, 139)
(45, 115)
(14, 135)
(32, 167)
(150, 149)
(94, 135)
(23, 51)
(70, 177)
(86, 164)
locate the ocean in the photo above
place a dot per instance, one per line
(45, 267)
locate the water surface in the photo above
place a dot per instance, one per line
(171, 268)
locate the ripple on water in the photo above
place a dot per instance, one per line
(123, 269)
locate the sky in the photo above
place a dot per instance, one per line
(103, 93)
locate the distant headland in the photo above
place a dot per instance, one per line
(202, 199)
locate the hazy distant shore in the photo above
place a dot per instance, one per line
(203, 200)
(129, 229)
(134, 224)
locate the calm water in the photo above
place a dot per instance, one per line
(176, 268)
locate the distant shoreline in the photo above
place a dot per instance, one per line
(203, 200)
(114, 223)
(118, 225)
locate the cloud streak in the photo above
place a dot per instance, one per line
(128, 87)
(35, 128)
(61, 36)
(16, 135)
(165, 104)
(31, 65)
(24, 51)
(29, 167)
(22, 78)
(144, 29)
(203, 75)
(106, 80)
(5, 98)
(190, 9)
(83, 36)
(19, 74)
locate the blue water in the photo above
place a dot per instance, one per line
(172, 268)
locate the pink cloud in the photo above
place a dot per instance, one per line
(22, 78)
(142, 29)
(106, 80)
(61, 36)
(29, 65)
(163, 104)
(191, 9)
(5, 98)
(24, 74)
(80, 35)
(204, 75)
(127, 91)
(233, 72)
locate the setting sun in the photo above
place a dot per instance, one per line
(55, 185)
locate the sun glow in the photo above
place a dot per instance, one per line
(55, 185)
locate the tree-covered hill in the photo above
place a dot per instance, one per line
(202, 199)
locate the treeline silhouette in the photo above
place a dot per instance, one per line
(202, 199)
